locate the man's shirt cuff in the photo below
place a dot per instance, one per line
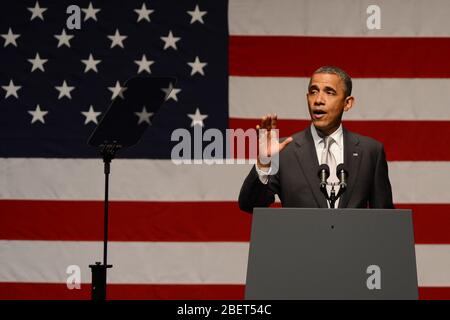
(263, 174)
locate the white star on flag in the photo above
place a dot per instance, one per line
(197, 15)
(38, 114)
(90, 115)
(37, 11)
(90, 12)
(64, 90)
(117, 39)
(11, 89)
(91, 63)
(144, 116)
(63, 38)
(197, 118)
(144, 64)
(171, 92)
(117, 90)
(197, 66)
(143, 13)
(170, 41)
(10, 38)
(37, 63)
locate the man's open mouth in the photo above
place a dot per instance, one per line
(318, 114)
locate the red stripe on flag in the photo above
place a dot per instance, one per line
(128, 221)
(59, 291)
(395, 135)
(434, 293)
(284, 56)
(165, 221)
(431, 222)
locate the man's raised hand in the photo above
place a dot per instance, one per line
(268, 145)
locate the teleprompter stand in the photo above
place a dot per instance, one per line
(122, 126)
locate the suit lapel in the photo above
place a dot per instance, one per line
(305, 152)
(352, 160)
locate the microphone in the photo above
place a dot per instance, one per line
(342, 175)
(323, 173)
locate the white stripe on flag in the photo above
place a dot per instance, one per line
(161, 180)
(375, 99)
(433, 265)
(133, 262)
(165, 262)
(400, 18)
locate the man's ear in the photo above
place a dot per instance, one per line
(349, 101)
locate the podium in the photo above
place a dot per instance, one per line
(331, 254)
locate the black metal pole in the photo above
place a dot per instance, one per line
(106, 206)
(98, 290)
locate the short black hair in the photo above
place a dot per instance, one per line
(341, 74)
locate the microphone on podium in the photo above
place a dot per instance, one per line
(323, 173)
(342, 175)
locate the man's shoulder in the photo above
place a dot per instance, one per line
(365, 141)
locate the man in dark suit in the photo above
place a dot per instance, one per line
(295, 178)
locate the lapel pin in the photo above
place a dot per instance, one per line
(355, 154)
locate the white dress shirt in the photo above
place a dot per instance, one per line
(336, 148)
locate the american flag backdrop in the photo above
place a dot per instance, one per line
(176, 232)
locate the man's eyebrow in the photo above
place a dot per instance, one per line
(327, 88)
(330, 88)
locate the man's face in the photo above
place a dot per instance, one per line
(327, 102)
